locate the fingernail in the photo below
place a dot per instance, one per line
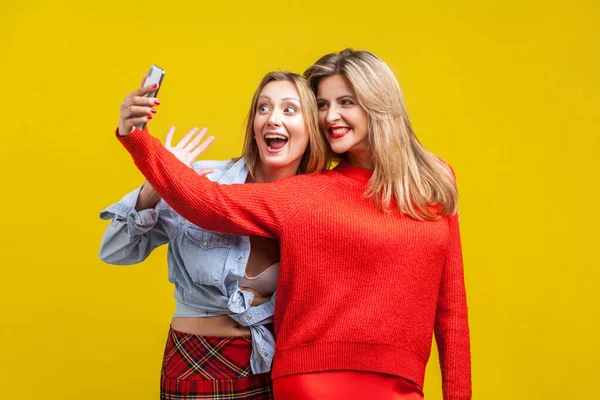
(155, 85)
(149, 117)
(153, 111)
(157, 102)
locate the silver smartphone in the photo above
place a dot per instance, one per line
(155, 75)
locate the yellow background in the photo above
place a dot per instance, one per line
(506, 91)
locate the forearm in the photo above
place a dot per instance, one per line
(234, 209)
(452, 324)
(148, 197)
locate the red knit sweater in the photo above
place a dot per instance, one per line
(359, 289)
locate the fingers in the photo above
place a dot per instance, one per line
(145, 89)
(189, 147)
(140, 101)
(134, 115)
(169, 137)
(196, 140)
(131, 122)
(137, 111)
(254, 292)
(258, 298)
(196, 153)
(137, 98)
(204, 171)
(186, 138)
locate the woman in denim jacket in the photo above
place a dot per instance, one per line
(218, 345)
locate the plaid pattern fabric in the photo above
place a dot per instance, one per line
(206, 367)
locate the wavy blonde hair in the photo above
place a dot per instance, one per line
(421, 184)
(317, 155)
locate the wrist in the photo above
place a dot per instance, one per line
(123, 131)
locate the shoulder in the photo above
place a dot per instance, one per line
(307, 182)
(223, 165)
(446, 165)
(220, 168)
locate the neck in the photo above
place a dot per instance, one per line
(264, 173)
(361, 159)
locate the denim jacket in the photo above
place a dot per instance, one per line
(204, 266)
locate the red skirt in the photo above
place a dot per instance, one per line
(207, 367)
(345, 385)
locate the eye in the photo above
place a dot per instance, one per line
(347, 102)
(263, 108)
(289, 110)
(322, 105)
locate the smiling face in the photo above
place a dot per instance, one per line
(279, 128)
(343, 121)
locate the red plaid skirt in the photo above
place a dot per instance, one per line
(207, 367)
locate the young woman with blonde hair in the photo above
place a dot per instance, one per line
(371, 261)
(219, 344)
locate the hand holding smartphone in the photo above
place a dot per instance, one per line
(155, 75)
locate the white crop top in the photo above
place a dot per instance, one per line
(264, 283)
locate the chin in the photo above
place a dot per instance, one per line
(339, 148)
(342, 145)
(276, 162)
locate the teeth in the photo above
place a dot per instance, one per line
(340, 130)
(275, 137)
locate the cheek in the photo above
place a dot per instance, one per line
(359, 121)
(298, 130)
(258, 124)
(323, 120)
(364, 120)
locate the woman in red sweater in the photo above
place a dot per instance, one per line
(371, 260)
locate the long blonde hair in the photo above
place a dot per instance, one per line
(422, 185)
(317, 155)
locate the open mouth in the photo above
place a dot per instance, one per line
(337, 132)
(275, 141)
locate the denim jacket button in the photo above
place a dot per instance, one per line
(205, 243)
(266, 354)
(248, 317)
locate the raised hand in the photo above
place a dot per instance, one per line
(137, 109)
(188, 148)
(186, 151)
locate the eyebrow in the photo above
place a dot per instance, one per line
(284, 99)
(338, 98)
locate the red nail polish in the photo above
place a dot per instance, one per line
(149, 117)
(155, 85)
(153, 111)
(157, 102)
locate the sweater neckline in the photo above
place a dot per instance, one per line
(354, 172)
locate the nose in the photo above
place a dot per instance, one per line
(274, 119)
(332, 115)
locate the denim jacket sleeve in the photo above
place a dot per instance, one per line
(132, 235)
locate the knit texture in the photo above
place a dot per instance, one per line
(359, 289)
